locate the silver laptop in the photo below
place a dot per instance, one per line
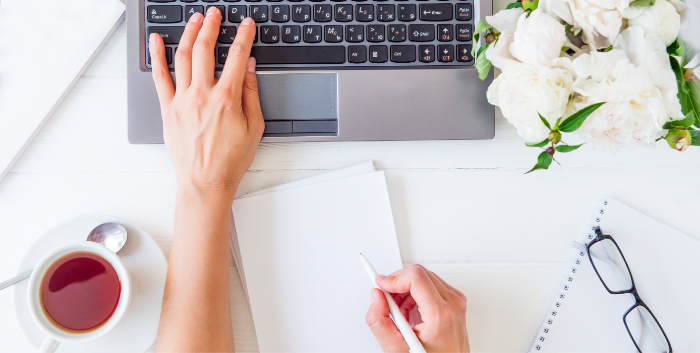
(341, 70)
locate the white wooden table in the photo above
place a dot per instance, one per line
(464, 209)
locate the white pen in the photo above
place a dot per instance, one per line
(414, 345)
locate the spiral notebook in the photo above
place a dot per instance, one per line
(584, 317)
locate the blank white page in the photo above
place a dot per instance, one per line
(300, 250)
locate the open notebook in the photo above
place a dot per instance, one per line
(45, 46)
(298, 248)
(584, 317)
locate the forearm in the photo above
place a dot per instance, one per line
(196, 312)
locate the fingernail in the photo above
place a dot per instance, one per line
(247, 22)
(212, 10)
(380, 278)
(152, 37)
(197, 17)
(251, 65)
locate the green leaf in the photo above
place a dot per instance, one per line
(515, 5)
(546, 123)
(695, 138)
(483, 65)
(481, 27)
(537, 144)
(481, 50)
(543, 162)
(575, 120)
(642, 3)
(530, 5)
(688, 121)
(694, 99)
(566, 148)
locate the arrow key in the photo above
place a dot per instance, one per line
(426, 53)
(445, 33)
(464, 52)
(446, 53)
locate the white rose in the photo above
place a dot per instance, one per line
(504, 22)
(538, 38)
(635, 82)
(648, 52)
(600, 20)
(524, 90)
(661, 19)
(556, 8)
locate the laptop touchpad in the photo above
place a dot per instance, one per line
(299, 104)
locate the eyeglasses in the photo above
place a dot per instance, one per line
(612, 270)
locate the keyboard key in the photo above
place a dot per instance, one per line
(191, 10)
(299, 54)
(171, 35)
(445, 33)
(164, 14)
(295, 0)
(403, 53)
(291, 34)
(357, 54)
(386, 13)
(396, 33)
(312, 34)
(258, 13)
(407, 12)
(365, 13)
(188, 0)
(253, 0)
(354, 33)
(222, 10)
(161, 1)
(317, 0)
(269, 34)
(322, 13)
(421, 32)
(435, 12)
(280, 13)
(377, 53)
(222, 54)
(343, 13)
(463, 12)
(210, 0)
(232, 0)
(445, 53)
(334, 34)
(236, 13)
(227, 34)
(375, 33)
(274, 0)
(464, 32)
(301, 13)
(427, 53)
(168, 55)
(464, 52)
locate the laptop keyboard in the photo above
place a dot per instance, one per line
(299, 34)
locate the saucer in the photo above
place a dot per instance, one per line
(136, 332)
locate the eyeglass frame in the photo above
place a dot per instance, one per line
(632, 290)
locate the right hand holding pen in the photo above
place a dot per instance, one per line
(442, 308)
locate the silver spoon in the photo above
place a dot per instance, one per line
(111, 235)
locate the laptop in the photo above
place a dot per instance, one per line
(333, 70)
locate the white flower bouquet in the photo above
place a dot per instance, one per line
(614, 72)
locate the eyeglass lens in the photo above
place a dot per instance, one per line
(610, 265)
(646, 331)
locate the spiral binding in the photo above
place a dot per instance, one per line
(556, 304)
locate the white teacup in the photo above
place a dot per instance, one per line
(55, 334)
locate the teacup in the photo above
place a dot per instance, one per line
(59, 280)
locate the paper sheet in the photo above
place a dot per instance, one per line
(300, 250)
(351, 170)
(45, 45)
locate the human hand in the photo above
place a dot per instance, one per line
(211, 126)
(442, 308)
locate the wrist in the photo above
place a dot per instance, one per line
(211, 196)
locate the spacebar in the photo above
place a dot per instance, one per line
(299, 55)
